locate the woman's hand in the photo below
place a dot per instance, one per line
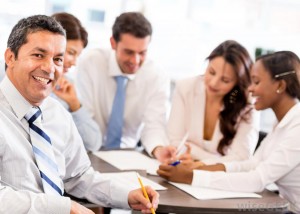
(65, 90)
(182, 173)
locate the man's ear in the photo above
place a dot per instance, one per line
(113, 43)
(9, 57)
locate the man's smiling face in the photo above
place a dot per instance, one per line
(38, 65)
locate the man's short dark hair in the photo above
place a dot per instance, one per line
(32, 24)
(133, 23)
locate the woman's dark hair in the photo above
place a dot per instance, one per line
(133, 23)
(284, 65)
(236, 101)
(73, 27)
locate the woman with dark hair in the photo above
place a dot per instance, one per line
(214, 110)
(276, 85)
(64, 91)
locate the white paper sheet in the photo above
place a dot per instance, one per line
(129, 160)
(202, 193)
(130, 180)
(272, 187)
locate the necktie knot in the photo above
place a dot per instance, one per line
(33, 114)
(121, 81)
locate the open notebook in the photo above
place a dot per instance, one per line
(207, 193)
(129, 160)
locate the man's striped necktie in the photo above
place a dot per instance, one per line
(44, 155)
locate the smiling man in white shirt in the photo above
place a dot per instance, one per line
(34, 62)
(146, 92)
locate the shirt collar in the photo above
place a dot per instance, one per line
(293, 112)
(18, 103)
(114, 68)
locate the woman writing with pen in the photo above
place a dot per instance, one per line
(212, 113)
(275, 85)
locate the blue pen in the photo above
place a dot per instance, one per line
(175, 163)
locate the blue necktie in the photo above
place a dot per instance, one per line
(43, 153)
(115, 123)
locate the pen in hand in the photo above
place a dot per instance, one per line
(175, 163)
(181, 148)
(144, 191)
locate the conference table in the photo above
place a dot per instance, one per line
(173, 200)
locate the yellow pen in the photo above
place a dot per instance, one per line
(144, 191)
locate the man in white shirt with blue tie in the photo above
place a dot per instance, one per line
(35, 175)
(145, 88)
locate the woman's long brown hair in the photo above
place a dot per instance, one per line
(236, 101)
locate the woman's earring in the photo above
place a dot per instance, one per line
(278, 91)
(232, 97)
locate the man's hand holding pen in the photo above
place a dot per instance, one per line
(144, 199)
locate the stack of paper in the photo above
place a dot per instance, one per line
(207, 193)
(129, 160)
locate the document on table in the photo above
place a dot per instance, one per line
(272, 187)
(129, 160)
(130, 180)
(203, 193)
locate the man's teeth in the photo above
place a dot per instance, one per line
(41, 79)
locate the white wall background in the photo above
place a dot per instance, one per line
(185, 31)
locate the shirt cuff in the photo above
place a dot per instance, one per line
(119, 195)
(61, 205)
(80, 115)
(211, 161)
(201, 178)
(230, 167)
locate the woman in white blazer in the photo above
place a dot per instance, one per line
(214, 109)
(275, 85)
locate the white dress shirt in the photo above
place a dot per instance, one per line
(2, 69)
(19, 169)
(187, 115)
(276, 160)
(87, 127)
(146, 101)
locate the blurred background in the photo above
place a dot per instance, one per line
(185, 31)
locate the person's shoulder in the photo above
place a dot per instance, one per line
(152, 73)
(53, 105)
(7, 129)
(292, 116)
(190, 80)
(2, 70)
(3, 119)
(152, 68)
(96, 54)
